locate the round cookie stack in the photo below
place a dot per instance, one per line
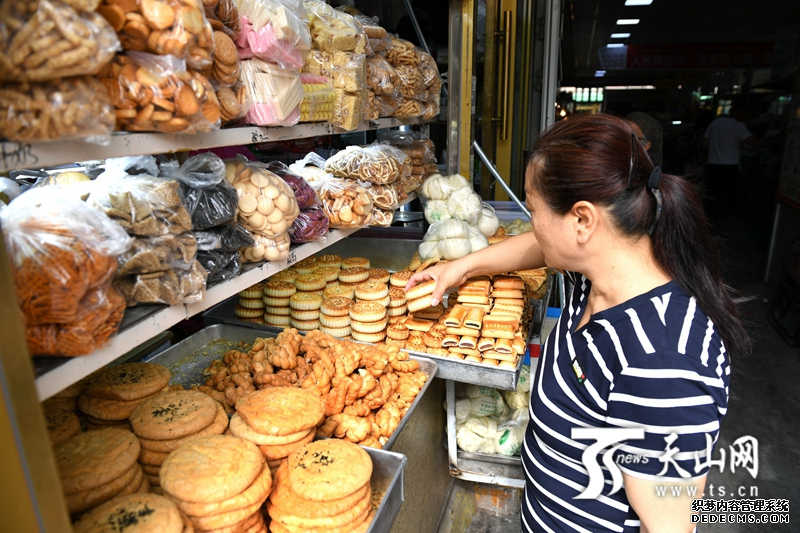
(334, 315)
(304, 304)
(134, 513)
(419, 296)
(306, 266)
(61, 424)
(396, 335)
(397, 303)
(278, 419)
(112, 394)
(329, 260)
(352, 276)
(167, 421)
(251, 304)
(96, 466)
(67, 398)
(276, 299)
(219, 483)
(368, 321)
(324, 486)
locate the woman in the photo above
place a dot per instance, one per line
(643, 342)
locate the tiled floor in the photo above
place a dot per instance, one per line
(764, 404)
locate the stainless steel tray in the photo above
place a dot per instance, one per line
(187, 360)
(387, 477)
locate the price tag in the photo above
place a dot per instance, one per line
(258, 136)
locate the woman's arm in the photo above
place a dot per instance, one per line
(663, 512)
(515, 253)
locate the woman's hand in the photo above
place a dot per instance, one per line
(446, 275)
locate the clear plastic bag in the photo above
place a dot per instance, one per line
(488, 223)
(318, 62)
(276, 94)
(221, 266)
(389, 103)
(333, 30)
(465, 205)
(267, 249)
(382, 78)
(438, 187)
(199, 171)
(409, 109)
(371, 27)
(349, 109)
(170, 287)
(223, 15)
(154, 254)
(142, 205)
(376, 163)
(157, 93)
(267, 205)
(163, 27)
(319, 98)
(210, 200)
(381, 217)
(386, 197)
(401, 52)
(410, 82)
(429, 72)
(436, 210)
(373, 109)
(421, 151)
(227, 238)
(309, 226)
(346, 204)
(223, 67)
(311, 168)
(275, 31)
(349, 72)
(73, 108)
(47, 39)
(234, 102)
(303, 193)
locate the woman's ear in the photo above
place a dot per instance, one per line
(586, 219)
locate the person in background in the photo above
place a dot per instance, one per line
(723, 139)
(643, 344)
(649, 132)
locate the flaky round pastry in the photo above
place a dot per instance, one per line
(367, 312)
(336, 306)
(420, 290)
(371, 290)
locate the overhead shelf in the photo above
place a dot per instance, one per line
(14, 155)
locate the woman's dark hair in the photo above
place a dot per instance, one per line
(597, 158)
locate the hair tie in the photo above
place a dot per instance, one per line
(655, 175)
(652, 186)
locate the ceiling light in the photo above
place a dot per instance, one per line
(630, 88)
(615, 45)
(638, 2)
(676, 122)
(627, 22)
(620, 35)
(599, 73)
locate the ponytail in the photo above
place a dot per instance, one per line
(596, 158)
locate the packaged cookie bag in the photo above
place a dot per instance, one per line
(345, 202)
(158, 93)
(275, 31)
(376, 163)
(43, 40)
(63, 257)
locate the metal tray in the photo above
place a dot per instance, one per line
(187, 360)
(387, 477)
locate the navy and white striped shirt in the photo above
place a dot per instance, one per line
(653, 362)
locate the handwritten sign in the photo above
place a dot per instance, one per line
(17, 155)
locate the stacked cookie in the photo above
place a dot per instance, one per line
(334, 315)
(133, 513)
(501, 339)
(276, 295)
(61, 424)
(324, 486)
(305, 303)
(98, 465)
(68, 398)
(169, 420)
(251, 304)
(368, 320)
(112, 394)
(279, 420)
(463, 331)
(219, 483)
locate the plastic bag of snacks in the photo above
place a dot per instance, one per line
(221, 266)
(386, 197)
(142, 205)
(382, 78)
(62, 254)
(171, 286)
(401, 52)
(311, 168)
(349, 72)
(348, 112)
(376, 163)
(303, 193)
(157, 93)
(71, 108)
(48, 39)
(154, 254)
(224, 67)
(410, 81)
(373, 109)
(310, 225)
(274, 31)
(319, 98)
(388, 103)
(409, 109)
(227, 238)
(346, 203)
(429, 72)
(267, 249)
(163, 27)
(210, 200)
(276, 94)
(234, 102)
(332, 30)
(223, 15)
(381, 217)
(267, 205)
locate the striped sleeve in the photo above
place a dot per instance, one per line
(677, 401)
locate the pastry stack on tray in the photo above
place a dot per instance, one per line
(170, 419)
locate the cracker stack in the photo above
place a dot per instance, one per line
(113, 393)
(279, 420)
(332, 495)
(98, 465)
(277, 294)
(219, 483)
(167, 421)
(251, 304)
(134, 513)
